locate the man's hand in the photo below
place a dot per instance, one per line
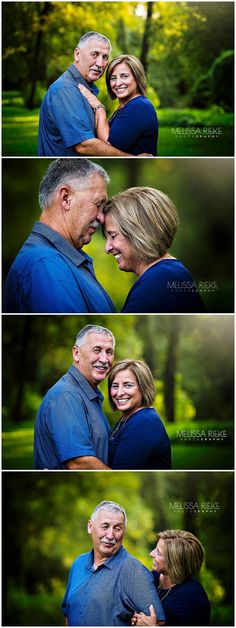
(140, 619)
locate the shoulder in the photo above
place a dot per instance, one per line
(79, 562)
(32, 257)
(191, 590)
(64, 386)
(149, 414)
(130, 563)
(194, 585)
(142, 103)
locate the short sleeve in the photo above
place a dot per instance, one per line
(70, 115)
(67, 423)
(139, 590)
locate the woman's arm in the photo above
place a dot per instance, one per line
(102, 126)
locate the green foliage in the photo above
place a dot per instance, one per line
(216, 85)
(20, 128)
(52, 510)
(222, 80)
(201, 95)
(213, 116)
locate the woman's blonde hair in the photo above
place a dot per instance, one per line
(143, 376)
(147, 218)
(183, 553)
(136, 68)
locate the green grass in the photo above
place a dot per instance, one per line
(195, 146)
(207, 457)
(18, 449)
(20, 128)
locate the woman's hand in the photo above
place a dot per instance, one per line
(93, 100)
(140, 619)
(102, 126)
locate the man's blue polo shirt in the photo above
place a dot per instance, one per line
(70, 423)
(50, 275)
(109, 595)
(66, 117)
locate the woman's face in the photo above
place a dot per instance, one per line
(158, 555)
(119, 246)
(123, 83)
(125, 392)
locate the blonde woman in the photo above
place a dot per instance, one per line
(139, 439)
(133, 128)
(177, 560)
(140, 225)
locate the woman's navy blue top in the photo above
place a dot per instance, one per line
(167, 286)
(134, 127)
(186, 604)
(141, 442)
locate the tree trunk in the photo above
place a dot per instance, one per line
(22, 369)
(146, 37)
(170, 369)
(121, 38)
(38, 45)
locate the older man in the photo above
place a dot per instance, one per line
(67, 123)
(51, 273)
(106, 585)
(71, 431)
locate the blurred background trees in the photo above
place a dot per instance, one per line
(191, 358)
(180, 44)
(45, 527)
(202, 190)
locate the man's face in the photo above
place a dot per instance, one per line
(94, 358)
(91, 60)
(85, 211)
(107, 532)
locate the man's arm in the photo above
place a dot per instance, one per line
(85, 462)
(94, 147)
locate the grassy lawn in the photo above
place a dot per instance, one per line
(20, 128)
(18, 450)
(195, 146)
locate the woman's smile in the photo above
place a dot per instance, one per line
(125, 391)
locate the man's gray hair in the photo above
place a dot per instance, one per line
(88, 329)
(65, 170)
(111, 506)
(93, 35)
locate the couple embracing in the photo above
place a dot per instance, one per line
(71, 430)
(53, 274)
(72, 119)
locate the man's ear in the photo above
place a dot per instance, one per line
(65, 197)
(76, 54)
(76, 353)
(89, 527)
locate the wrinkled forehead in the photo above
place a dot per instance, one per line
(98, 339)
(97, 45)
(114, 517)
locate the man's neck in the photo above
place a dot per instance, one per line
(98, 561)
(54, 221)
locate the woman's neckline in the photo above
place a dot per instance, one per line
(121, 106)
(167, 258)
